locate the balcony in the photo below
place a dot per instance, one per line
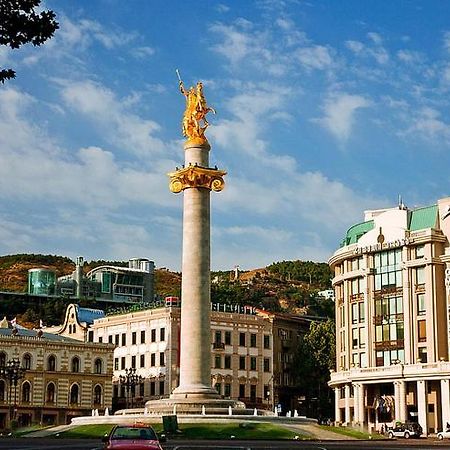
(218, 346)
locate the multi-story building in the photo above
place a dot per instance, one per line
(60, 377)
(392, 321)
(149, 341)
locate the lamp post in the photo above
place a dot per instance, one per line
(130, 380)
(12, 372)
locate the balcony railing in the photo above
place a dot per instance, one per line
(218, 346)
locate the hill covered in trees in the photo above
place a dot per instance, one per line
(287, 286)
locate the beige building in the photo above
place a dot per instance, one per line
(392, 321)
(61, 377)
(149, 341)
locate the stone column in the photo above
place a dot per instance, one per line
(422, 405)
(361, 405)
(445, 400)
(396, 400)
(402, 401)
(337, 409)
(195, 339)
(355, 403)
(347, 404)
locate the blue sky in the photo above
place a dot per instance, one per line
(324, 109)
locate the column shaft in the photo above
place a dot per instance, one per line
(347, 404)
(445, 399)
(337, 409)
(422, 405)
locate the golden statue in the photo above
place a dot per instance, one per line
(194, 119)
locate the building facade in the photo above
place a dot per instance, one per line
(149, 341)
(392, 321)
(60, 377)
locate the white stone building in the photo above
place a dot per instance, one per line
(392, 321)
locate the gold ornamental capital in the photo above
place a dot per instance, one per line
(196, 177)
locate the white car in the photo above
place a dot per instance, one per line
(443, 434)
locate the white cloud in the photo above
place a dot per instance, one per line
(355, 46)
(374, 50)
(428, 125)
(409, 56)
(143, 52)
(339, 113)
(315, 57)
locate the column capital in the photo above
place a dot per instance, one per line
(195, 176)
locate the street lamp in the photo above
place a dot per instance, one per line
(12, 372)
(130, 380)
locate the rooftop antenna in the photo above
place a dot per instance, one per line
(401, 205)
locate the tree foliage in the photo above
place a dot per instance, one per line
(310, 272)
(314, 359)
(20, 24)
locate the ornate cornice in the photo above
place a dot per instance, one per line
(196, 177)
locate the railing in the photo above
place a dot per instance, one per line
(218, 346)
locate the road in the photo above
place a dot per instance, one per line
(95, 444)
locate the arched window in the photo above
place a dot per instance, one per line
(2, 391)
(51, 363)
(2, 359)
(97, 395)
(26, 363)
(74, 394)
(74, 329)
(70, 329)
(50, 394)
(26, 392)
(75, 364)
(98, 366)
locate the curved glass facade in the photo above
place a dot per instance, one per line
(41, 282)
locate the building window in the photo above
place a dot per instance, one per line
(161, 388)
(74, 394)
(75, 364)
(50, 393)
(420, 251)
(26, 392)
(110, 339)
(218, 387)
(227, 390)
(266, 341)
(122, 363)
(133, 362)
(227, 362)
(253, 392)
(143, 337)
(355, 335)
(217, 362)
(116, 339)
(153, 335)
(162, 334)
(218, 337)
(252, 340)
(162, 359)
(116, 363)
(124, 340)
(422, 329)
(421, 309)
(241, 362)
(242, 391)
(242, 339)
(355, 313)
(133, 338)
(153, 359)
(142, 360)
(100, 339)
(363, 359)
(422, 354)
(252, 362)
(266, 364)
(98, 366)
(2, 390)
(51, 363)
(388, 271)
(420, 275)
(27, 361)
(362, 337)
(361, 312)
(97, 395)
(357, 286)
(227, 337)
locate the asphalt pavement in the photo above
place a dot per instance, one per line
(95, 444)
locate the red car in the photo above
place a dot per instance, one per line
(132, 437)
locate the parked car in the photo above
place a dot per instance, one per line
(132, 437)
(405, 430)
(444, 434)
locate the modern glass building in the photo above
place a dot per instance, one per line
(41, 281)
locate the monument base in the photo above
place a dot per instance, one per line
(195, 405)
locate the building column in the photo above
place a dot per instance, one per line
(445, 400)
(337, 409)
(402, 401)
(347, 404)
(422, 405)
(355, 403)
(360, 402)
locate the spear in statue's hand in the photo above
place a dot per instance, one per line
(178, 75)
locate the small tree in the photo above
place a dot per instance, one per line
(20, 24)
